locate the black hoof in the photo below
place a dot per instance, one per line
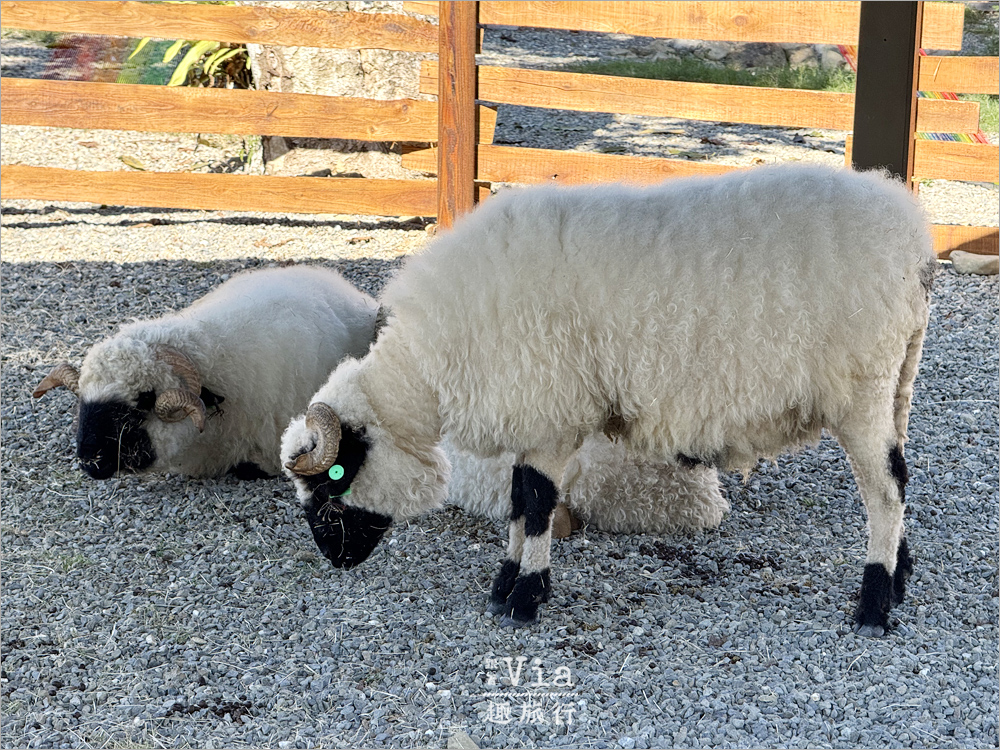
(510, 622)
(880, 592)
(503, 584)
(872, 615)
(869, 631)
(529, 591)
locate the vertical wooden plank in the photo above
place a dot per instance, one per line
(885, 108)
(457, 37)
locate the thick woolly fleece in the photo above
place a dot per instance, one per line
(262, 341)
(265, 341)
(603, 486)
(716, 320)
(722, 318)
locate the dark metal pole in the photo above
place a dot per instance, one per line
(885, 105)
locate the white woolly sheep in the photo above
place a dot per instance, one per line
(210, 389)
(715, 320)
(246, 358)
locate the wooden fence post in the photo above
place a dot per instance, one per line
(457, 113)
(885, 109)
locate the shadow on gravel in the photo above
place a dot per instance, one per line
(139, 217)
(665, 137)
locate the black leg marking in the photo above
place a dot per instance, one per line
(539, 496)
(880, 592)
(872, 615)
(503, 584)
(517, 493)
(897, 467)
(534, 495)
(522, 604)
(904, 569)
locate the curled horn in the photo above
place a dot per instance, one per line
(325, 424)
(177, 404)
(63, 374)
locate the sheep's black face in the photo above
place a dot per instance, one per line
(112, 438)
(344, 533)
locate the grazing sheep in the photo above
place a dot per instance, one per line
(709, 320)
(210, 389)
(260, 345)
(603, 486)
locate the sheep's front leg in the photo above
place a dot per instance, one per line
(503, 584)
(534, 497)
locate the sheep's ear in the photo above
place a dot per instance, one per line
(381, 320)
(211, 400)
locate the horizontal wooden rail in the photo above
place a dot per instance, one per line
(963, 75)
(267, 23)
(529, 165)
(978, 240)
(830, 22)
(949, 160)
(947, 116)
(223, 192)
(112, 106)
(694, 101)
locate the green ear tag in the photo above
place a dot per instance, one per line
(336, 472)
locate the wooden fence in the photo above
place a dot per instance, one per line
(466, 160)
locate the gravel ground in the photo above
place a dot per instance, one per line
(169, 612)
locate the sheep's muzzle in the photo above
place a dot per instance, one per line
(345, 534)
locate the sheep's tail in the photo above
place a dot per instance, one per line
(904, 388)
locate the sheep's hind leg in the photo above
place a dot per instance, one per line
(881, 474)
(503, 584)
(539, 495)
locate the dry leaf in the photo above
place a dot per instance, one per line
(133, 162)
(356, 240)
(262, 242)
(89, 144)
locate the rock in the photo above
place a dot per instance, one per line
(685, 46)
(459, 740)
(715, 51)
(984, 265)
(829, 56)
(803, 57)
(757, 55)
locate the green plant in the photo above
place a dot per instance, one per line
(205, 63)
(701, 72)
(989, 111)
